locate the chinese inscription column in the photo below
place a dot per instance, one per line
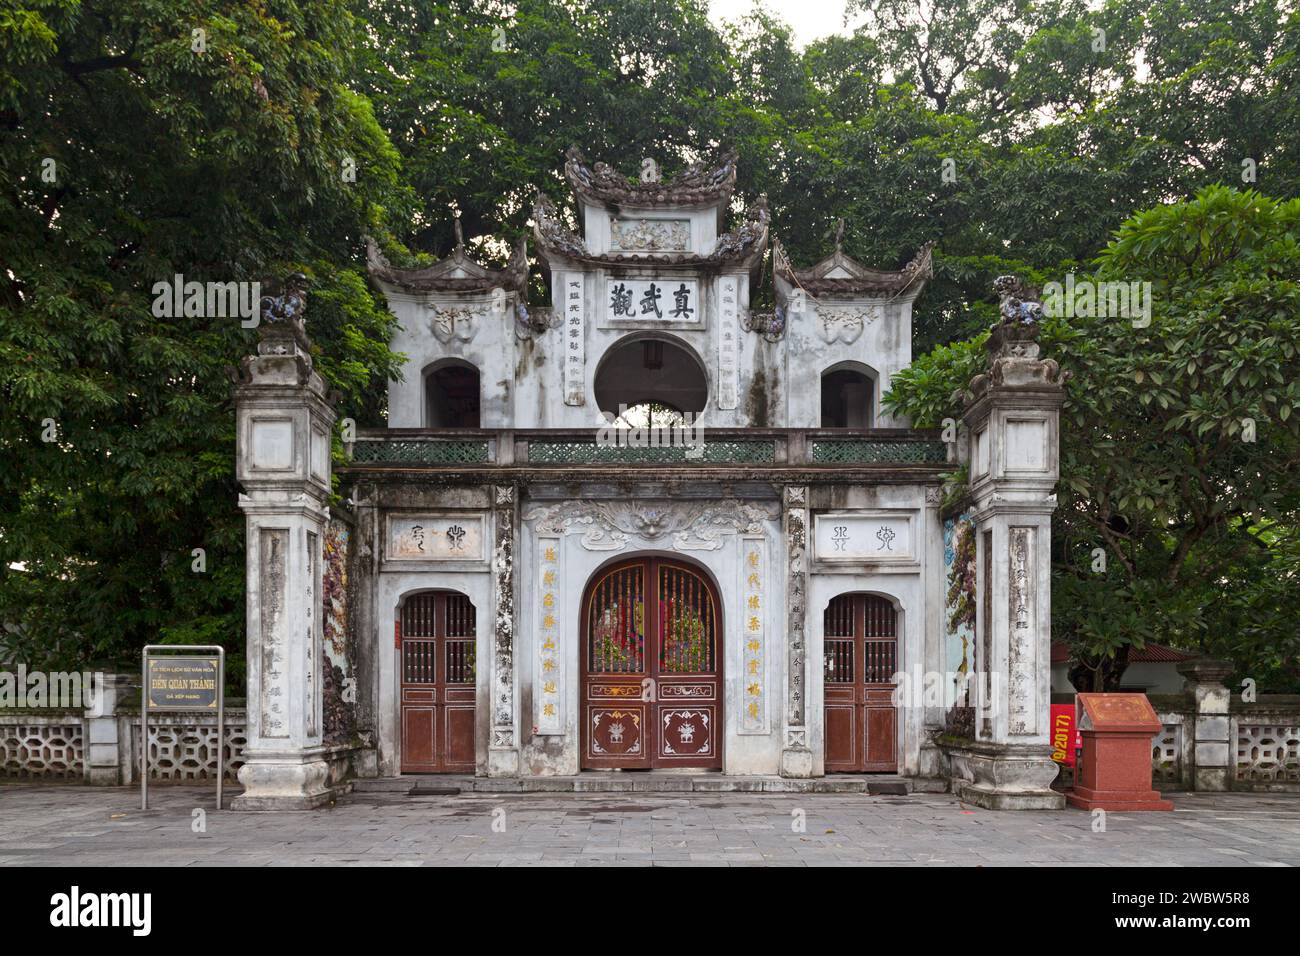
(753, 716)
(283, 423)
(573, 290)
(503, 757)
(728, 342)
(549, 678)
(796, 757)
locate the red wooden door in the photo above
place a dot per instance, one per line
(436, 639)
(651, 670)
(861, 648)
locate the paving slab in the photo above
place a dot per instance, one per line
(673, 824)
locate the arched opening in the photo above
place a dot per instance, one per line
(860, 656)
(437, 667)
(651, 666)
(451, 395)
(656, 380)
(848, 391)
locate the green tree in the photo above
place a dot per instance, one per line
(1180, 439)
(140, 139)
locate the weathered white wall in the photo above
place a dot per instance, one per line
(874, 335)
(393, 587)
(490, 349)
(903, 584)
(910, 585)
(522, 377)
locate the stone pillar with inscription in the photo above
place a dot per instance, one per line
(503, 750)
(796, 757)
(284, 419)
(1012, 419)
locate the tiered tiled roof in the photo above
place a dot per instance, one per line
(697, 185)
(456, 273)
(841, 275)
(743, 246)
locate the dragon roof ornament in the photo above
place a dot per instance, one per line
(697, 185)
(743, 246)
(841, 275)
(456, 273)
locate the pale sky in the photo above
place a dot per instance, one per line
(809, 19)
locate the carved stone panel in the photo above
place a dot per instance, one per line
(1021, 648)
(459, 323)
(272, 444)
(754, 597)
(503, 569)
(273, 557)
(608, 525)
(846, 324)
(548, 680)
(435, 537)
(728, 342)
(876, 537)
(650, 235)
(796, 530)
(573, 302)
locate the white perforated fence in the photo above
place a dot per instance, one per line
(184, 748)
(53, 745)
(1169, 755)
(42, 746)
(1268, 751)
(1264, 750)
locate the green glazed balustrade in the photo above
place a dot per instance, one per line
(824, 452)
(584, 453)
(856, 452)
(422, 452)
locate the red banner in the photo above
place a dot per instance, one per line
(1065, 735)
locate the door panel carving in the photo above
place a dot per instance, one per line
(651, 679)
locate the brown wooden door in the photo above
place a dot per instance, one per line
(435, 633)
(861, 647)
(651, 670)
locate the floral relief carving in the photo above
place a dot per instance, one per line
(650, 235)
(459, 323)
(607, 526)
(846, 325)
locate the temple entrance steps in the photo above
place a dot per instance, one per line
(626, 782)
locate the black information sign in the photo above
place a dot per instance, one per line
(183, 683)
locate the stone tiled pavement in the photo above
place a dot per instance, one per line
(67, 825)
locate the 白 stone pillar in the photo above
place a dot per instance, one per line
(107, 748)
(503, 751)
(1012, 417)
(929, 768)
(1213, 760)
(796, 757)
(284, 419)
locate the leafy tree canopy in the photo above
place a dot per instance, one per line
(1180, 438)
(1020, 136)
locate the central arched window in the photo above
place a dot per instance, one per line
(651, 381)
(847, 397)
(451, 395)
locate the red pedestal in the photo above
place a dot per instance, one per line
(1116, 770)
